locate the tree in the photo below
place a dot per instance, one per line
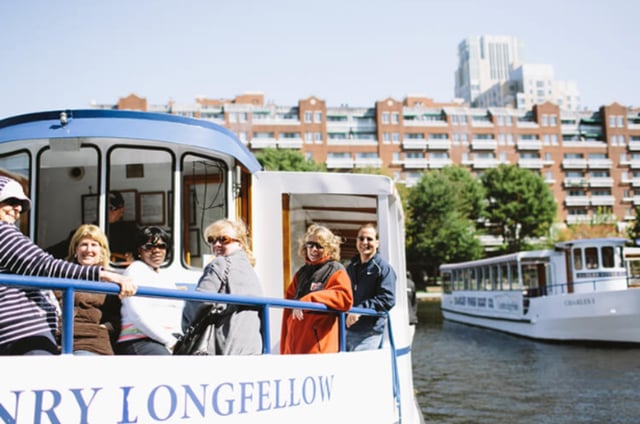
(442, 209)
(286, 160)
(634, 230)
(520, 204)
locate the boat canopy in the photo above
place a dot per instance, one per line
(126, 124)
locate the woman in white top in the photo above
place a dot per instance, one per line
(150, 325)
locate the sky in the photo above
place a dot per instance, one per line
(68, 54)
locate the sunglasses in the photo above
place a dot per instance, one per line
(312, 244)
(223, 240)
(362, 238)
(149, 246)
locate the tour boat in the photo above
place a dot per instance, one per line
(581, 291)
(184, 173)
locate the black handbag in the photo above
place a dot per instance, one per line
(197, 336)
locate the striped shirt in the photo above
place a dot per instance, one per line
(28, 312)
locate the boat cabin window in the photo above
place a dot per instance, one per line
(16, 166)
(504, 277)
(591, 257)
(577, 259)
(68, 187)
(143, 177)
(205, 200)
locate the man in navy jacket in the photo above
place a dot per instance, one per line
(373, 283)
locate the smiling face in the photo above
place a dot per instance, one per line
(88, 252)
(153, 254)
(367, 243)
(315, 250)
(10, 210)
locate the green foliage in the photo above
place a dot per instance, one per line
(520, 204)
(286, 160)
(633, 233)
(441, 210)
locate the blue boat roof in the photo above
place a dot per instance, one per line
(127, 124)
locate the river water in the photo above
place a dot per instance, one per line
(471, 375)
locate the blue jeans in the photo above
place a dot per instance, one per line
(85, 353)
(141, 347)
(363, 340)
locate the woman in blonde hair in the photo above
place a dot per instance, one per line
(237, 330)
(322, 279)
(96, 315)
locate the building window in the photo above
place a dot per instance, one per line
(396, 138)
(395, 118)
(308, 137)
(318, 117)
(308, 117)
(385, 117)
(319, 139)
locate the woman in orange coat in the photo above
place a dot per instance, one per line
(322, 279)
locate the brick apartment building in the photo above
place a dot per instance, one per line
(590, 159)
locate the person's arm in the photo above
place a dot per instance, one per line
(336, 294)
(127, 286)
(22, 256)
(385, 297)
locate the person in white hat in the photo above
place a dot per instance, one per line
(29, 316)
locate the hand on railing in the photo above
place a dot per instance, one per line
(127, 286)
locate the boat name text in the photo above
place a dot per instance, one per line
(165, 402)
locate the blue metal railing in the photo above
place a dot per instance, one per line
(263, 304)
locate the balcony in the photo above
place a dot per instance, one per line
(484, 144)
(574, 163)
(410, 144)
(290, 143)
(339, 163)
(368, 163)
(577, 201)
(634, 145)
(578, 219)
(439, 163)
(529, 145)
(599, 163)
(263, 143)
(601, 182)
(443, 144)
(575, 182)
(603, 200)
(530, 163)
(415, 163)
(485, 163)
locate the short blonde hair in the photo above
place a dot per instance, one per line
(237, 229)
(329, 241)
(94, 233)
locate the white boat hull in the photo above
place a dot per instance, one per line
(607, 316)
(199, 389)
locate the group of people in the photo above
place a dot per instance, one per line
(140, 325)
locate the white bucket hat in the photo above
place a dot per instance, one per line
(10, 188)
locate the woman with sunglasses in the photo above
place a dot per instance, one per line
(29, 316)
(374, 287)
(237, 329)
(150, 325)
(322, 279)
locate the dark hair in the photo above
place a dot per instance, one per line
(116, 200)
(153, 235)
